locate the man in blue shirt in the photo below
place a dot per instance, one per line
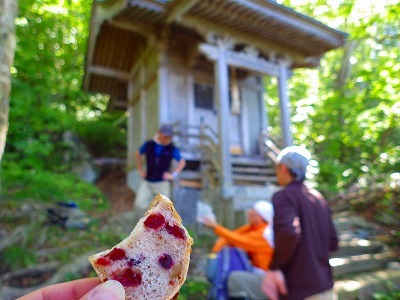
(156, 177)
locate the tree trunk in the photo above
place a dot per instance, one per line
(8, 13)
(344, 71)
(340, 83)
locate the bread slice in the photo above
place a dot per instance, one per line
(152, 262)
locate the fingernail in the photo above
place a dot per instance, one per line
(109, 290)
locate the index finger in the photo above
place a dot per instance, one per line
(72, 290)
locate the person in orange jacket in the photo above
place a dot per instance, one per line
(256, 239)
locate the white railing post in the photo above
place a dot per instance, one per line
(284, 104)
(222, 95)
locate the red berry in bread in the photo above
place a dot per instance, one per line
(152, 262)
(166, 261)
(154, 221)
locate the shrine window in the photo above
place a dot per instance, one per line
(203, 96)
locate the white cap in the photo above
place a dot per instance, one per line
(265, 209)
(296, 159)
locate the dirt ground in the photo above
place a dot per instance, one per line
(112, 183)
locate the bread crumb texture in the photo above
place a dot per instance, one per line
(152, 262)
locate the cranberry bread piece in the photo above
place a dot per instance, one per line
(152, 262)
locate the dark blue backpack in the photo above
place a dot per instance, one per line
(227, 260)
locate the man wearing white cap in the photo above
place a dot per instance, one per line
(159, 153)
(304, 235)
(251, 238)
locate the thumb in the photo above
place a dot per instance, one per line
(281, 285)
(109, 290)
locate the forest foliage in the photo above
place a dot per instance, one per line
(47, 100)
(346, 112)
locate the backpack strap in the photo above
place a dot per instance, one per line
(226, 261)
(244, 258)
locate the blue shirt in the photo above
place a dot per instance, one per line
(159, 148)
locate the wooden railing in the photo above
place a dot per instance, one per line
(268, 146)
(202, 142)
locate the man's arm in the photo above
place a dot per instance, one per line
(221, 241)
(176, 155)
(138, 159)
(240, 237)
(179, 167)
(273, 284)
(249, 241)
(287, 230)
(181, 162)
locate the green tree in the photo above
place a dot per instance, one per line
(50, 51)
(48, 100)
(351, 119)
(8, 13)
(48, 67)
(47, 85)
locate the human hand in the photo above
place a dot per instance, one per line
(81, 289)
(167, 176)
(142, 174)
(274, 283)
(209, 221)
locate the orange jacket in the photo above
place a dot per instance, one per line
(248, 238)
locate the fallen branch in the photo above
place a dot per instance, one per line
(75, 267)
(18, 235)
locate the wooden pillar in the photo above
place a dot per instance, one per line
(143, 104)
(284, 105)
(163, 113)
(130, 137)
(263, 108)
(221, 75)
(162, 46)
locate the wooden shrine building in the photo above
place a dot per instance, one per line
(199, 64)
